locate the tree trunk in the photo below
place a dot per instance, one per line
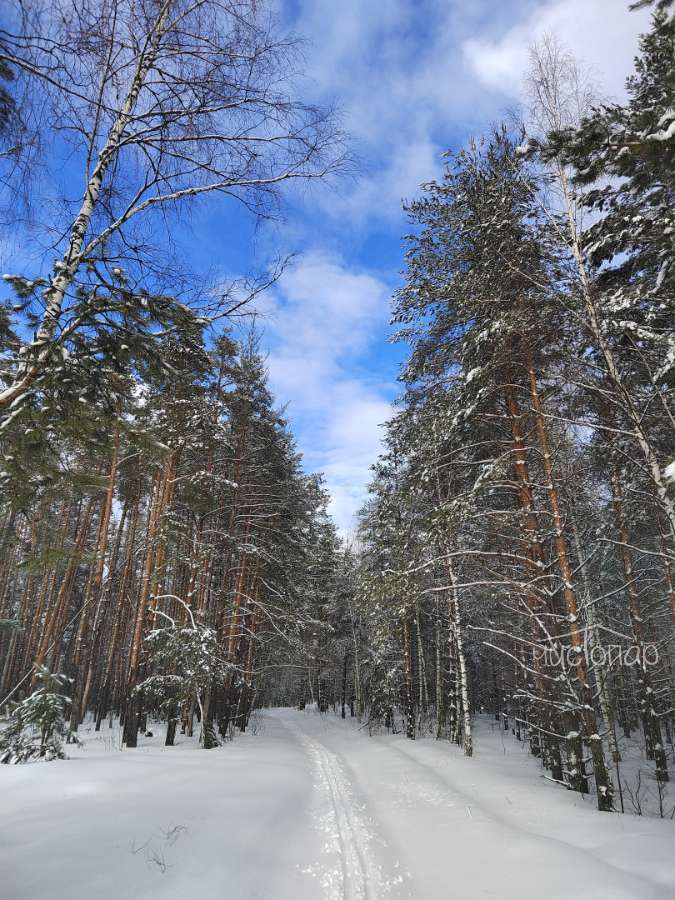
(602, 779)
(648, 711)
(408, 676)
(462, 674)
(343, 701)
(64, 275)
(546, 725)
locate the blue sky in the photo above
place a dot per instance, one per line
(411, 78)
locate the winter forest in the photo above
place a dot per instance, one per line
(468, 688)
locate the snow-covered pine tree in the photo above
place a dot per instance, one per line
(623, 163)
(36, 726)
(617, 163)
(186, 658)
(478, 309)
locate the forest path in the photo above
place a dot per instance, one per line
(417, 819)
(354, 872)
(309, 807)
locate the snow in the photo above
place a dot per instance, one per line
(308, 806)
(664, 134)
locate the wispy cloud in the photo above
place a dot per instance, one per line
(601, 34)
(323, 324)
(412, 79)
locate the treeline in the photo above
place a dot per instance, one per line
(160, 540)
(516, 554)
(181, 553)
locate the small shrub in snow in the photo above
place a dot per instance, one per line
(36, 728)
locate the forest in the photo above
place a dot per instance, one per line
(170, 574)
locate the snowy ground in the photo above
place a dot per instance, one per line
(309, 807)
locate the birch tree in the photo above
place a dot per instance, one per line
(630, 148)
(153, 104)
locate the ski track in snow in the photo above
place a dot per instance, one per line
(350, 833)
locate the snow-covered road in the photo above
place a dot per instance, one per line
(310, 807)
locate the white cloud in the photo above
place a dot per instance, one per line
(323, 324)
(603, 34)
(414, 78)
(352, 443)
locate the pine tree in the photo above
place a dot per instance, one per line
(186, 659)
(36, 727)
(622, 158)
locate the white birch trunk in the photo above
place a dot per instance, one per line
(66, 269)
(462, 675)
